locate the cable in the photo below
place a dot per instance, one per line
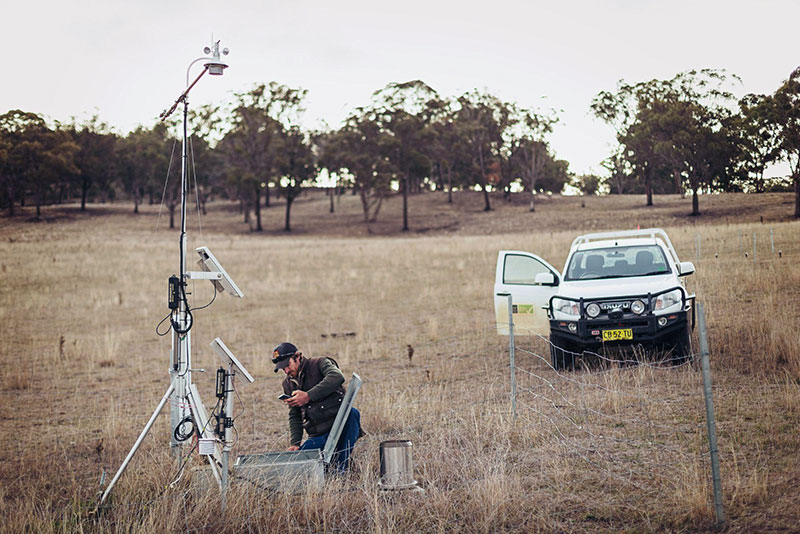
(240, 402)
(180, 436)
(166, 181)
(210, 303)
(196, 192)
(160, 323)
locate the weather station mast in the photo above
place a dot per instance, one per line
(188, 416)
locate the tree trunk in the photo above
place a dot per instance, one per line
(331, 194)
(648, 187)
(797, 196)
(450, 184)
(695, 202)
(405, 203)
(266, 196)
(135, 202)
(486, 206)
(676, 176)
(171, 215)
(533, 198)
(257, 206)
(11, 201)
(84, 193)
(287, 227)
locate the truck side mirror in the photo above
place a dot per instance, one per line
(545, 279)
(685, 268)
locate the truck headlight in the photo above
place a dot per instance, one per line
(637, 307)
(566, 307)
(669, 300)
(593, 310)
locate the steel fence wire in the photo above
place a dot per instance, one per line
(622, 417)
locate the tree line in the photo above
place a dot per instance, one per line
(687, 133)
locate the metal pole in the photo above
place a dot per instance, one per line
(511, 356)
(771, 241)
(710, 420)
(227, 411)
(139, 440)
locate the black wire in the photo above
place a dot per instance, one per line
(211, 302)
(240, 402)
(162, 322)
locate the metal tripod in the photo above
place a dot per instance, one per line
(182, 394)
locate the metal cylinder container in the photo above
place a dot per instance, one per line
(397, 465)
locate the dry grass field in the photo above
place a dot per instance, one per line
(617, 449)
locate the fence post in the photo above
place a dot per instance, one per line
(771, 241)
(511, 352)
(710, 420)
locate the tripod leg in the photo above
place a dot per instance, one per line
(139, 440)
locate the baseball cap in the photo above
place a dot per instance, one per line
(281, 355)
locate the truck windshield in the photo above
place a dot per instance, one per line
(617, 262)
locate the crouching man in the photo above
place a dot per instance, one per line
(316, 388)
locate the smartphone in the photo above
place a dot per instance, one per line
(284, 396)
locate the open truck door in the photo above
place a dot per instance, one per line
(517, 274)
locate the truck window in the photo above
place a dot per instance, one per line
(617, 262)
(522, 270)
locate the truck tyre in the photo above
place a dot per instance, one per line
(562, 354)
(680, 346)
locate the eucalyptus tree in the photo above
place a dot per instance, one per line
(621, 110)
(253, 144)
(19, 131)
(33, 158)
(444, 146)
(402, 111)
(359, 149)
(297, 167)
(675, 126)
(142, 159)
(759, 137)
(787, 99)
(620, 176)
(482, 119)
(96, 143)
(529, 150)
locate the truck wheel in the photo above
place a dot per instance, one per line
(561, 354)
(680, 346)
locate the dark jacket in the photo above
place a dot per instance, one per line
(324, 383)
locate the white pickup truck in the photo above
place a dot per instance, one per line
(617, 288)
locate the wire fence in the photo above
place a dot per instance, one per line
(634, 415)
(629, 422)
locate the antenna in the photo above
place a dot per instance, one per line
(183, 396)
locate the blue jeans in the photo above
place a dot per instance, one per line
(350, 432)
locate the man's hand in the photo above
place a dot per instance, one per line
(298, 398)
(293, 448)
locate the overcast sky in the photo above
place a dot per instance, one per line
(127, 61)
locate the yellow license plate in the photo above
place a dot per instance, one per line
(616, 335)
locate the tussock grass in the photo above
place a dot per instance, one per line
(610, 449)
